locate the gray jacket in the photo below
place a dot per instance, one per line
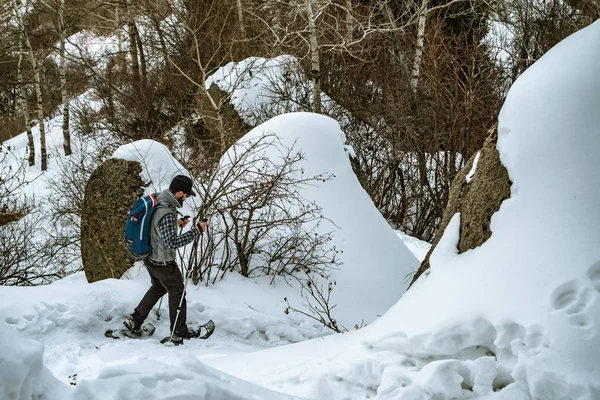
(166, 204)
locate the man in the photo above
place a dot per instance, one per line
(164, 273)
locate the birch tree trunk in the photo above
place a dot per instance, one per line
(315, 68)
(241, 18)
(416, 70)
(37, 81)
(349, 21)
(121, 55)
(40, 109)
(23, 98)
(132, 44)
(63, 80)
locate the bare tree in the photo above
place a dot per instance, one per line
(133, 48)
(240, 12)
(419, 47)
(23, 254)
(318, 299)
(23, 96)
(19, 18)
(58, 8)
(63, 78)
(315, 65)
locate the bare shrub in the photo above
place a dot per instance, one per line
(319, 302)
(24, 255)
(260, 222)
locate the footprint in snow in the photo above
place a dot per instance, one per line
(593, 275)
(574, 298)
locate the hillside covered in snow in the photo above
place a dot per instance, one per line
(516, 318)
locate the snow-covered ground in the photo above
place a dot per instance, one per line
(70, 316)
(514, 319)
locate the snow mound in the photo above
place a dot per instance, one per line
(23, 375)
(375, 263)
(253, 83)
(180, 377)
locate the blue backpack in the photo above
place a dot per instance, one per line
(137, 227)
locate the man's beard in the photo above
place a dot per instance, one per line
(180, 201)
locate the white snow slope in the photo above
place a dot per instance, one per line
(516, 318)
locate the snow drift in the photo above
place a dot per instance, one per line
(376, 264)
(22, 372)
(516, 318)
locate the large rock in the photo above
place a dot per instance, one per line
(476, 201)
(109, 194)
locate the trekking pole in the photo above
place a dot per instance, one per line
(158, 310)
(187, 278)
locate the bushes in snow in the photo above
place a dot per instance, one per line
(260, 223)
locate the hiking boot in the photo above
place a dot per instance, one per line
(133, 326)
(177, 340)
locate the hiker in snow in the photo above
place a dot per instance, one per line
(164, 273)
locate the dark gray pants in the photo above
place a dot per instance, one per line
(165, 279)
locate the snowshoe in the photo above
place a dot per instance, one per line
(146, 330)
(203, 332)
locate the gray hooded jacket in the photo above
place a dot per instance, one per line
(166, 204)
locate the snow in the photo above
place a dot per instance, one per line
(262, 87)
(516, 318)
(418, 247)
(373, 259)
(22, 373)
(158, 165)
(471, 173)
(250, 83)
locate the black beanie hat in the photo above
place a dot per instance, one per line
(182, 183)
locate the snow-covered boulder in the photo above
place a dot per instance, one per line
(536, 280)
(109, 194)
(477, 192)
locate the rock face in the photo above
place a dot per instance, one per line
(208, 130)
(109, 194)
(476, 201)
